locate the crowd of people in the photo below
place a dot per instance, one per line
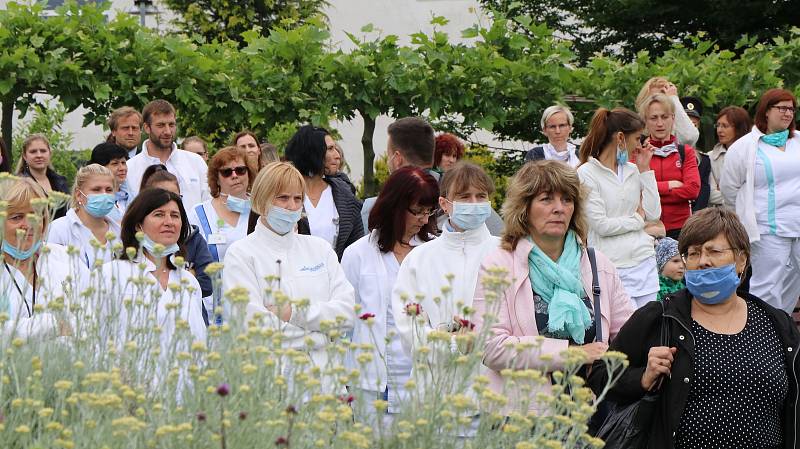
(606, 245)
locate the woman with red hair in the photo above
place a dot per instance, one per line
(760, 180)
(399, 221)
(449, 150)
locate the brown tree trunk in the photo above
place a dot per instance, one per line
(369, 156)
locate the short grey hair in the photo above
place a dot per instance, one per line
(556, 108)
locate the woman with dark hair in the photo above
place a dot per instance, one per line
(623, 197)
(449, 150)
(399, 221)
(334, 213)
(732, 124)
(197, 255)
(728, 376)
(248, 142)
(761, 181)
(35, 163)
(154, 231)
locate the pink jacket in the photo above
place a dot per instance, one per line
(516, 316)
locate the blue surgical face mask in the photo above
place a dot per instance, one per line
(282, 220)
(19, 254)
(776, 139)
(468, 216)
(712, 285)
(149, 245)
(239, 205)
(622, 155)
(98, 205)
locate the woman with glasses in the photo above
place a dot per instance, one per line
(728, 376)
(399, 221)
(223, 219)
(556, 125)
(732, 124)
(334, 213)
(761, 181)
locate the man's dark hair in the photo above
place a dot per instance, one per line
(413, 138)
(160, 107)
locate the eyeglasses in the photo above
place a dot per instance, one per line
(785, 109)
(722, 126)
(227, 172)
(716, 255)
(555, 127)
(421, 214)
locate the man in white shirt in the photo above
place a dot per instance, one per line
(160, 148)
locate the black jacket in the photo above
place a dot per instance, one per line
(349, 209)
(642, 331)
(704, 167)
(57, 183)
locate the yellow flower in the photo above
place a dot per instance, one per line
(46, 412)
(22, 429)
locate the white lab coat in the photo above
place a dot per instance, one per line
(189, 168)
(70, 231)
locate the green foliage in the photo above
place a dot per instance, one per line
(47, 120)
(223, 20)
(628, 27)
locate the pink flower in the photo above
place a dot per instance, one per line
(413, 309)
(347, 399)
(366, 316)
(223, 390)
(281, 441)
(465, 323)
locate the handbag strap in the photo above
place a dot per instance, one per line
(598, 325)
(665, 339)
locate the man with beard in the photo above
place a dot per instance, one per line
(160, 148)
(126, 129)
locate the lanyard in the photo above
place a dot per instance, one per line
(21, 294)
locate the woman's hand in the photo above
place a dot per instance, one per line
(671, 89)
(594, 351)
(283, 312)
(642, 156)
(674, 184)
(659, 362)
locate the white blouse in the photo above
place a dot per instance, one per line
(69, 230)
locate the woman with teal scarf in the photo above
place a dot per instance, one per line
(549, 296)
(760, 180)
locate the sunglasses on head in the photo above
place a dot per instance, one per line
(227, 172)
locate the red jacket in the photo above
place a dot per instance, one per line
(675, 207)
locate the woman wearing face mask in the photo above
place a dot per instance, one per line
(88, 220)
(274, 256)
(729, 376)
(160, 218)
(223, 219)
(548, 304)
(399, 222)
(457, 252)
(674, 164)
(35, 163)
(761, 181)
(30, 276)
(622, 197)
(197, 255)
(732, 124)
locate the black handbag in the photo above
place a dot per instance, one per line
(629, 426)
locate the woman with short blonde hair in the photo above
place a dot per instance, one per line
(88, 218)
(276, 258)
(685, 131)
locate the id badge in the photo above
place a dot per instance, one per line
(216, 239)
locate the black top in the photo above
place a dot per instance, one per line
(642, 332)
(542, 308)
(739, 390)
(57, 183)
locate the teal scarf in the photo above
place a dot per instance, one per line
(559, 285)
(776, 139)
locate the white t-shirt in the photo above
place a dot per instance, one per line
(324, 218)
(69, 230)
(777, 183)
(221, 234)
(189, 168)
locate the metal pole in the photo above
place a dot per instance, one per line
(142, 11)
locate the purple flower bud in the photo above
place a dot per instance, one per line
(201, 417)
(242, 416)
(223, 390)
